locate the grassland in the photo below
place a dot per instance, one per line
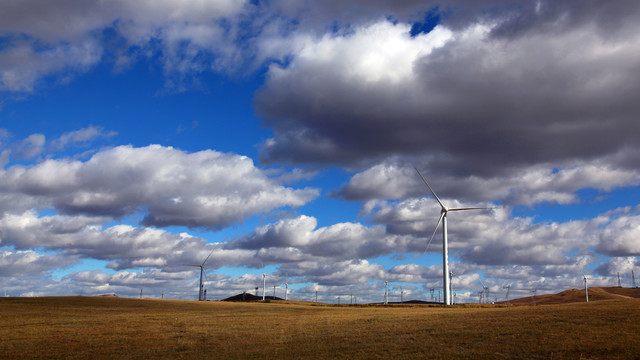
(86, 327)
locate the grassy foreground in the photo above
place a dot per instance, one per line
(85, 327)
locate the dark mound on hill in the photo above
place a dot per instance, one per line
(250, 297)
(416, 302)
(419, 302)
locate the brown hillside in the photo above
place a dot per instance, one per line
(578, 295)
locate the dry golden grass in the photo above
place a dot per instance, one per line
(84, 327)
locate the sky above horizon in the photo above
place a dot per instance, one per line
(137, 138)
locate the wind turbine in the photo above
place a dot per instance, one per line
(445, 248)
(485, 293)
(264, 282)
(286, 286)
(586, 287)
(201, 266)
(386, 292)
(533, 295)
(508, 287)
(619, 284)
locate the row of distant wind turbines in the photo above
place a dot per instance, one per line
(445, 253)
(446, 274)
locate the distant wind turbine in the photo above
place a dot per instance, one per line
(201, 266)
(386, 292)
(286, 286)
(445, 248)
(586, 287)
(508, 287)
(264, 283)
(485, 292)
(533, 295)
(619, 284)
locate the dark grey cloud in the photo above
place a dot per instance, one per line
(552, 17)
(478, 103)
(517, 18)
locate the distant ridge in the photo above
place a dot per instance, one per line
(577, 295)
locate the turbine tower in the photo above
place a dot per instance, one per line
(619, 284)
(445, 247)
(533, 295)
(386, 292)
(586, 287)
(264, 283)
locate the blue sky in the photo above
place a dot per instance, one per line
(137, 138)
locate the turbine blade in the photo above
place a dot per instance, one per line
(430, 189)
(434, 231)
(469, 208)
(205, 260)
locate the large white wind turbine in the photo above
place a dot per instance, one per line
(445, 247)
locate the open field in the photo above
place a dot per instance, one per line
(86, 327)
